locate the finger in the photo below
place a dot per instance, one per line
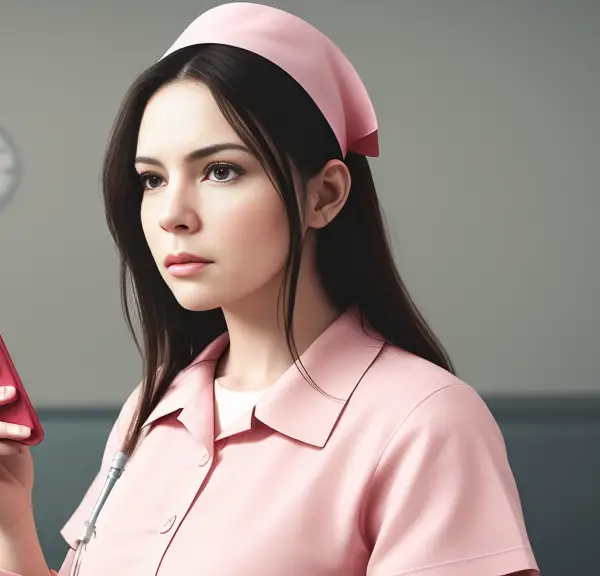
(9, 448)
(7, 394)
(13, 431)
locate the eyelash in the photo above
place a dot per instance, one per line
(144, 176)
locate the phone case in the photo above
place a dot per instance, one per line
(19, 411)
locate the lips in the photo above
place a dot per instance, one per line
(184, 258)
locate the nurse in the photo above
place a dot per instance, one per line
(297, 417)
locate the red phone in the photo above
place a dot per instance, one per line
(19, 411)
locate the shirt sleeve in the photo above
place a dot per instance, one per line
(73, 529)
(67, 565)
(443, 500)
(6, 573)
(75, 525)
(52, 573)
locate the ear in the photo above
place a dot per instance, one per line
(326, 194)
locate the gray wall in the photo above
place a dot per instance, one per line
(489, 175)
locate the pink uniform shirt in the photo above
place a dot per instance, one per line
(399, 468)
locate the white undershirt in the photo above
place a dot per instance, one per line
(231, 404)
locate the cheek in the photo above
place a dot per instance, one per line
(148, 228)
(258, 232)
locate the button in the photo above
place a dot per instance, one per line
(204, 457)
(168, 524)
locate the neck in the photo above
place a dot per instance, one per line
(258, 353)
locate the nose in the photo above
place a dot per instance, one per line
(179, 211)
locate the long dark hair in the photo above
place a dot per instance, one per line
(283, 127)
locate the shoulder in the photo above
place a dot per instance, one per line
(407, 392)
(441, 473)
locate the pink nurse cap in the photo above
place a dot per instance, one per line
(306, 54)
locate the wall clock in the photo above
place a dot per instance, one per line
(9, 169)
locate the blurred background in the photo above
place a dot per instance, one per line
(488, 175)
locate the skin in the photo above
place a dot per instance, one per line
(234, 217)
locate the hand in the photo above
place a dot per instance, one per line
(16, 468)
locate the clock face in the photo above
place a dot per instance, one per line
(8, 169)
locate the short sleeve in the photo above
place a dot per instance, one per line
(74, 527)
(6, 573)
(443, 500)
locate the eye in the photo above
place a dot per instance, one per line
(150, 180)
(223, 172)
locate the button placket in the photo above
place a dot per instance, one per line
(204, 459)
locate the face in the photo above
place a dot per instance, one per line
(207, 196)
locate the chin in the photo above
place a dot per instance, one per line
(200, 297)
(195, 299)
(195, 304)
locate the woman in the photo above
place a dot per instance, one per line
(297, 416)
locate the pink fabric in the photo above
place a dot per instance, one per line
(306, 54)
(6, 573)
(398, 469)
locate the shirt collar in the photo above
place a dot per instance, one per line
(191, 392)
(336, 361)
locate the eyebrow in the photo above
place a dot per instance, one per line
(196, 154)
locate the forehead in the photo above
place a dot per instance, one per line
(182, 116)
